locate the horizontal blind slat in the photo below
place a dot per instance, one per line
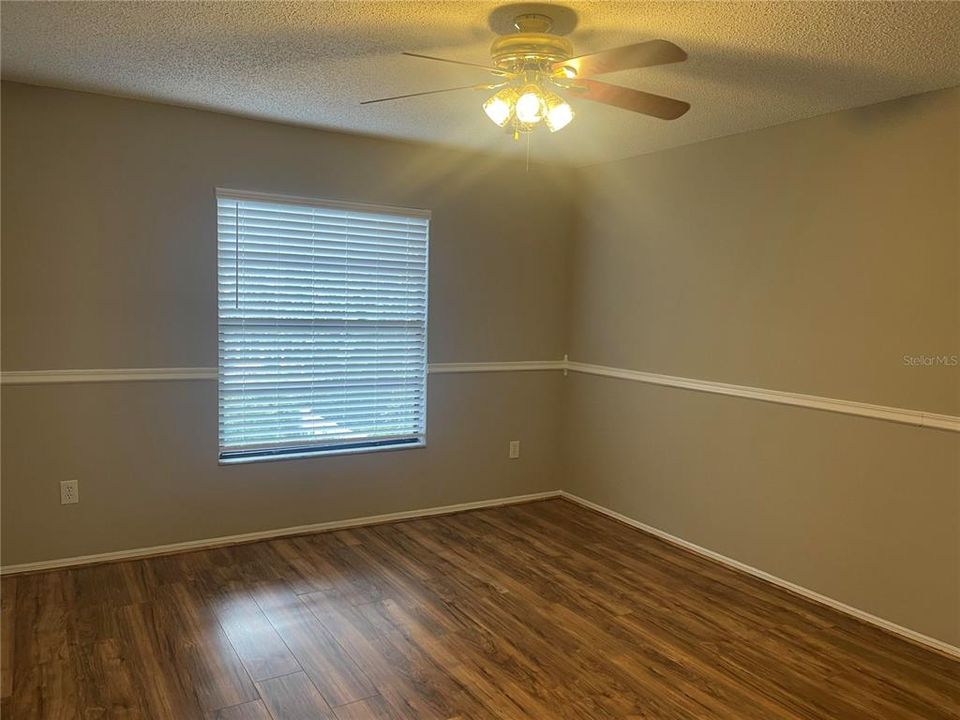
(371, 238)
(283, 206)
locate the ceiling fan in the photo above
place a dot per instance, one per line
(534, 68)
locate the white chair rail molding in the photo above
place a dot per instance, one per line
(848, 407)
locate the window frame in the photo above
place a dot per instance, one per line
(265, 454)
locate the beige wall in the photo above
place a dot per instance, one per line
(808, 257)
(110, 239)
(109, 247)
(146, 457)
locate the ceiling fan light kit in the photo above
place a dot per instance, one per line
(530, 59)
(534, 69)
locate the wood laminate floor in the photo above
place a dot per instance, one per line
(544, 610)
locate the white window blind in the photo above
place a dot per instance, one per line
(322, 326)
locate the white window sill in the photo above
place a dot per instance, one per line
(242, 460)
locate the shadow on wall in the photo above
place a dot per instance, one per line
(772, 74)
(870, 117)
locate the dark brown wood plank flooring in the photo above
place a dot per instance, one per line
(544, 610)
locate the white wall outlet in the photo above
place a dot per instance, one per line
(69, 492)
(514, 449)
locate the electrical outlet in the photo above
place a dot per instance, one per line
(69, 492)
(514, 449)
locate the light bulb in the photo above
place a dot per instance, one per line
(559, 113)
(499, 107)
(530, 106)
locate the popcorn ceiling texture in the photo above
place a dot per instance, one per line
(751, 64)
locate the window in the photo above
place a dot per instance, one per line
(323, 326)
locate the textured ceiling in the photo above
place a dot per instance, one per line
(751, 64)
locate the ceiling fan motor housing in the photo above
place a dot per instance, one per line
(531, 45)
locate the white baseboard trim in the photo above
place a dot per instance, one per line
(919, 638)
(781, 397)
(153, 551)
(224, 540)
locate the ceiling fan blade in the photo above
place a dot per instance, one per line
(629, 99)
(495, 71)
(645, 54)
(482, 86)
